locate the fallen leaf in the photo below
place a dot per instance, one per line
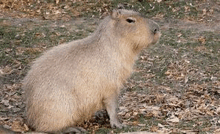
(218, 110)
(173, 119)
(202, 40)
(154, 128)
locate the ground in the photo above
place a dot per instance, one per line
(175, 87)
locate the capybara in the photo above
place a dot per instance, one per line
(70, 82)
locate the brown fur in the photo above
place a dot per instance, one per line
(70, 82)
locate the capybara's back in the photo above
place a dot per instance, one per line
(70, 82)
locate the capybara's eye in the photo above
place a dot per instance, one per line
(130, 20)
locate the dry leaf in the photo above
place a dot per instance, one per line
(218, 110)
(202, 40)
(18, 127)
(173, 119)
(159, 1)
(154, 128)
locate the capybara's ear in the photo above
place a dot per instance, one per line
(115, 14)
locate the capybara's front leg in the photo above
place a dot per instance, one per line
(111, 105)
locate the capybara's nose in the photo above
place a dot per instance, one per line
(156, 30)
(154, 27)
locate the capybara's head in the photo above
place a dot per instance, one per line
(134, 28)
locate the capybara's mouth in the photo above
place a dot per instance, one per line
(156, 37)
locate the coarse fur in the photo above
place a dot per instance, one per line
(70, 82)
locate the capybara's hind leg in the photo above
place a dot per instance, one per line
(111, 107)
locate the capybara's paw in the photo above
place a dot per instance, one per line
(117, 125)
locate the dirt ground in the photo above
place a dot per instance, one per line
(175, 87)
